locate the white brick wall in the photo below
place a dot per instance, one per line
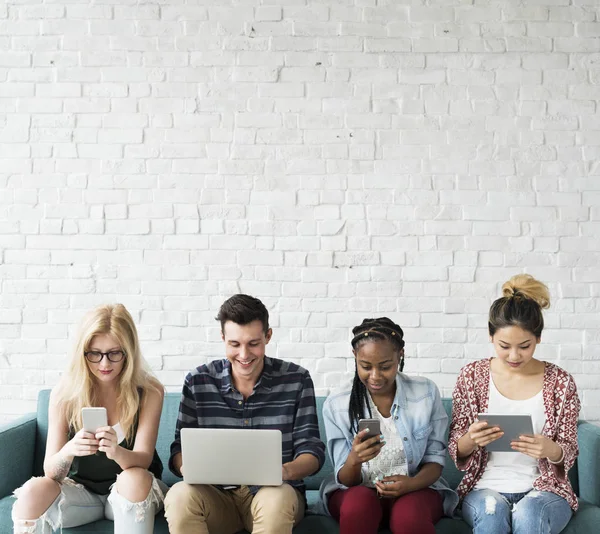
(338, 159)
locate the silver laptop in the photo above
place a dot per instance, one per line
(231, 456)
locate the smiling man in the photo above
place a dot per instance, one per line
(247, 389)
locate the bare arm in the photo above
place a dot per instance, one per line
(362, 451)
(304, 465)
(178, 462)
(427, 475)
(59, 450)
(147, 432)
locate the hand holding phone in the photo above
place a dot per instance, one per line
(367, 442)
(83, 444)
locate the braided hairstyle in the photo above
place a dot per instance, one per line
(369, 330)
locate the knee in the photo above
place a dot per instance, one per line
(181, 498)
(134, 484)
(359, 501)
(178, 495)
(483, 505)
(279, 500)
(34, 497)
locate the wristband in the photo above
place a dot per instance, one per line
(560, 460)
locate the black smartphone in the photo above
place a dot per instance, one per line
(373, 426)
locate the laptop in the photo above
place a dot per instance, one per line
(227, 456)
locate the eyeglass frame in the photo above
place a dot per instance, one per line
(103, 354)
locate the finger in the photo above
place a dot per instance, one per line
(368, 455)
(372, 441)
(88, 442)
(490, 439)
(386, 491)
(527, 438)
(487, 440)
(479, 425)
(526, 449)
(368, 445)
(487, 431)
(375, 450)
(87, 435)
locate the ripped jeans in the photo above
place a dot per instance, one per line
(533, 512)
(76, 505)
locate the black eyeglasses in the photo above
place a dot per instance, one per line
(95, 356)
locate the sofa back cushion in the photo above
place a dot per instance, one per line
(167, 431)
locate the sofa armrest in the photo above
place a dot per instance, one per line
(588, 462)
(17, 443)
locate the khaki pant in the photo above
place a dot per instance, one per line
(203, 509)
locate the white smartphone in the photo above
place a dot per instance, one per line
(93, 419)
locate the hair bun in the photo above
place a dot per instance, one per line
(526, 286)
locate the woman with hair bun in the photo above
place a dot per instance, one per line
(526, 491)
(392, 478)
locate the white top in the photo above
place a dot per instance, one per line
(120, 434)
(512, 472)
(392, 459)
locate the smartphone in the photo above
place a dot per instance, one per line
(373, 426)
(93, 419)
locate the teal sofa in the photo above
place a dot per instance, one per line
(23, 441)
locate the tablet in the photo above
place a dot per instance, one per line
(512, 425)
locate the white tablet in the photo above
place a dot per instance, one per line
(512, 425)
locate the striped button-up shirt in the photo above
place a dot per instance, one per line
(282, 399)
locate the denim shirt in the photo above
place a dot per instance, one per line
(420, 420)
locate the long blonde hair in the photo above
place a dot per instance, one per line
(77, 388)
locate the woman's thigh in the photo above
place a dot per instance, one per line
(541, 512)
(487, 511)
(75, 506)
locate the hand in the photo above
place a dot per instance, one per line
(537, 446)
(286, 472)
(481, 435)
(363, 451)
(107, 438)
(394, 486)
(83, 444)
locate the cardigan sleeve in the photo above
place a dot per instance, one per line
(566, 435)
(462, 418)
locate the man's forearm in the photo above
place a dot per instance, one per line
(177, 463)
(304, 465)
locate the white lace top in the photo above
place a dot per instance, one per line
(392, 458)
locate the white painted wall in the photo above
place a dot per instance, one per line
(338, 159)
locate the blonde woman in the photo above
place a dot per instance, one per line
(114, 473)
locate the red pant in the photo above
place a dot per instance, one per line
(360, 511)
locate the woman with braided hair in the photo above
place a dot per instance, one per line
(393, 478)
(526, 490)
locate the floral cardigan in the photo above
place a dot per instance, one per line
(561, 405)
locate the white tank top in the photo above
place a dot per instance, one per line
(512, 472)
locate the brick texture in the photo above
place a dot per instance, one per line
(339, 159)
